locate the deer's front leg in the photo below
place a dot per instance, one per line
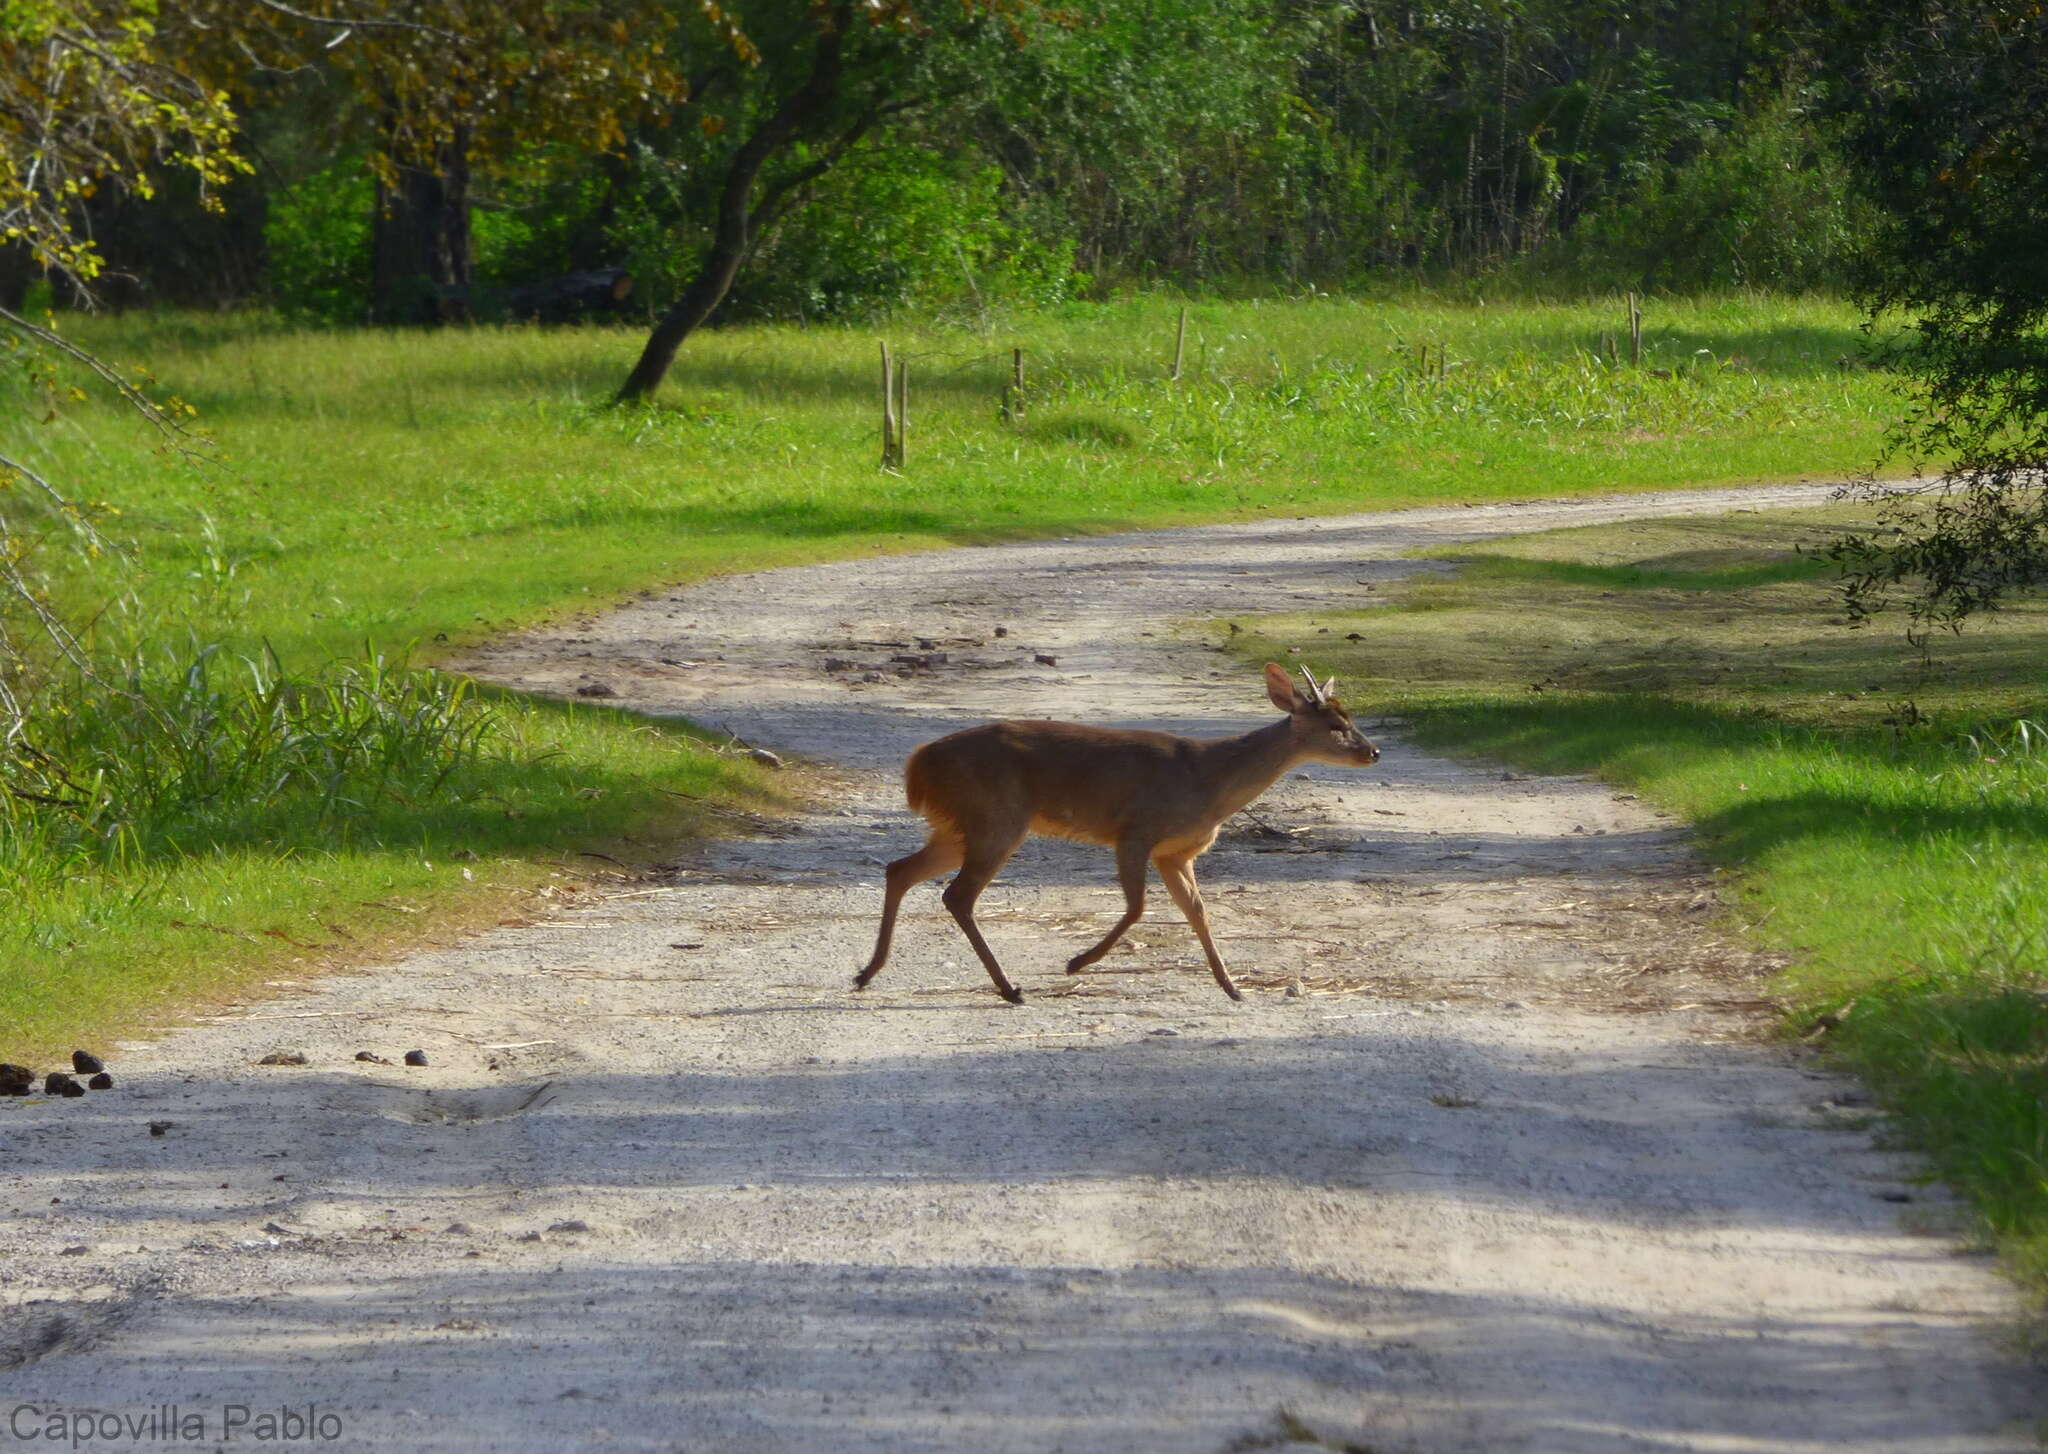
(1178, 874)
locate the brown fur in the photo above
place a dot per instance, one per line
(1152, 796)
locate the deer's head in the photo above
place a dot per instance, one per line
(1323, 731)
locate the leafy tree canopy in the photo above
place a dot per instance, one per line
(1944, 105)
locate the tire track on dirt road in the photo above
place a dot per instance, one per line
(1511, 1171)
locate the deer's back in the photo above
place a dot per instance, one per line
(1063, 778)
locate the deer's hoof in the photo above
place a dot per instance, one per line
(1014, 996)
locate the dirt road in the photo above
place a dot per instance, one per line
(1509, 1169)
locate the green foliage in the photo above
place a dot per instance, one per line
(1208, 142)
(894, 225)
(1768, 203)
(177, 756)
(318, 238)
(1945, 116)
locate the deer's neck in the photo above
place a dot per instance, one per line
(1238, 769)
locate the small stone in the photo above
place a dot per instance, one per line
(16, 1080)
(763, 756)
(57, 1083)
(1002, 631)
(1046, 659)
(528, 1237)
(157, 1128)
(1165, 1030)
(284, 1057)
(459, 1229)
(87, 1063)
(595, 689)
(1295, 991)
(415, 1057)
(372, 1057)
(102, 1081)
(77, 1249)
(569, 1224)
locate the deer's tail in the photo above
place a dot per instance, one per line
(917, 784)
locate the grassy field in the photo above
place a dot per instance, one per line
(1889, 814)
(382, 494)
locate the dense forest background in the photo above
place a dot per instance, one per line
(979, 155)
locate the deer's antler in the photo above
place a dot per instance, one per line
(1316, 694)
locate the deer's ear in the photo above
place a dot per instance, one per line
(1281, 689)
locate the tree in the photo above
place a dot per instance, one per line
(1945, 110)
(825, 76)
(444, 87)
(825, 79)
(88, 101)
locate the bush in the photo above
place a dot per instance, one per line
(318, 236)
(896, 224)
(167, 757)
(1765, 204)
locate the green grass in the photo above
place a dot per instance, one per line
(1889, 817)
(401, 493)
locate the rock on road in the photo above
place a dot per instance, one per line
(1493, 1159)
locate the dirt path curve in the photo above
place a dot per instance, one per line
(1509, 1171)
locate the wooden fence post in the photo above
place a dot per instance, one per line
(1635, 332)
(902, 411)
(1180, 340)
(889, 448)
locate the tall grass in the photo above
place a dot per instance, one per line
(178, 756)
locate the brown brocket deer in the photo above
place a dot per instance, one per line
(1149, 795)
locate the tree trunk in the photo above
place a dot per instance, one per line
(419, 241)
(729, 242)
(17, 270)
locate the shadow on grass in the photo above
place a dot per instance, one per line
(1701, 570)
(1897, 783)
(1785, 351)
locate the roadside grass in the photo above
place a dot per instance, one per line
(395, 494)
(1887, 815)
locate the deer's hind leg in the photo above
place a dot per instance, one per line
(1130, 872)
(941, 853)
